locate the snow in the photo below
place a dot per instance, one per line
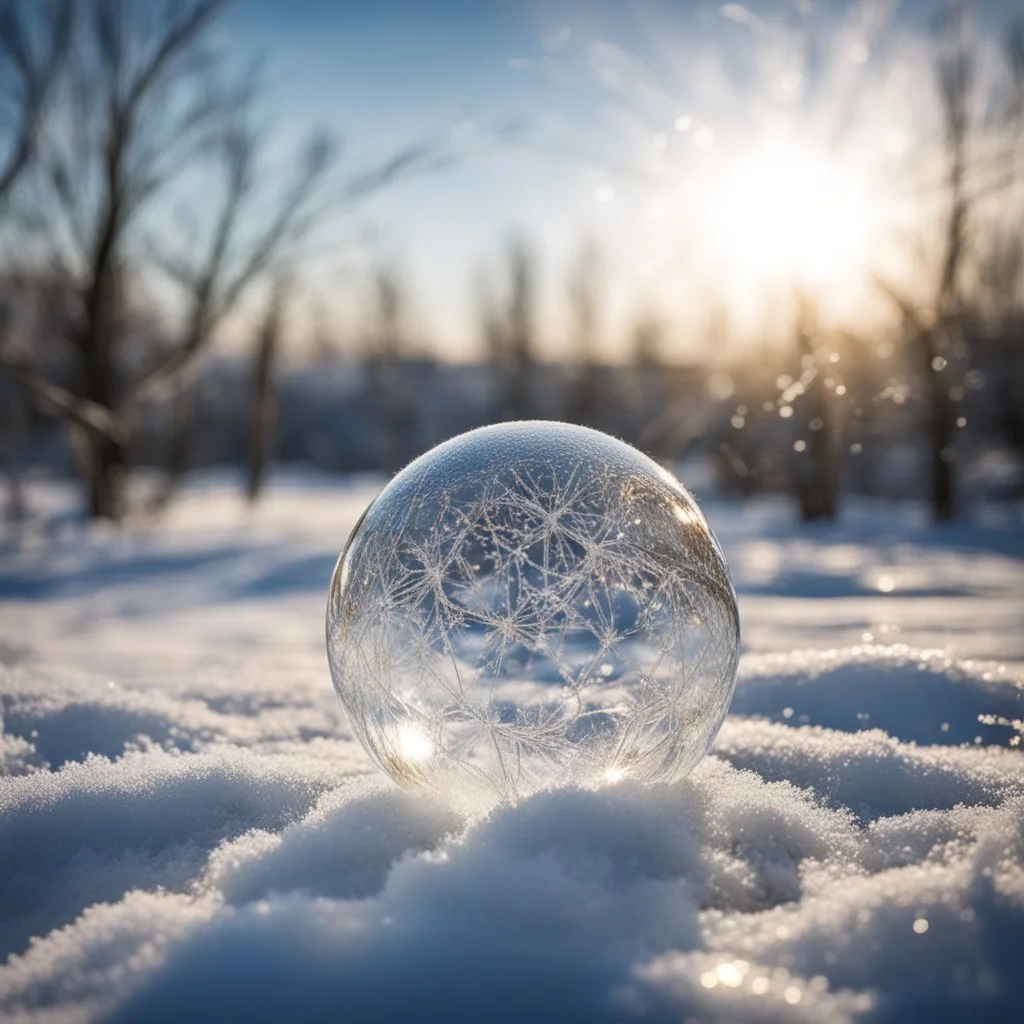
(188, 830)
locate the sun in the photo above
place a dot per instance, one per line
(790, 216)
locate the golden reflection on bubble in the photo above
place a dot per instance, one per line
(686, 515)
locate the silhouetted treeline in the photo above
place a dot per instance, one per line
(97, 379)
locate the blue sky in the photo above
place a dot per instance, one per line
(593, 83)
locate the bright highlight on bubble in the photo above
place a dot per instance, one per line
(413, 744)
(532, 605)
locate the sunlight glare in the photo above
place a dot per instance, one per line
(788, 215)
(703, 138)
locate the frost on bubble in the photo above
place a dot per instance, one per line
(532, 604)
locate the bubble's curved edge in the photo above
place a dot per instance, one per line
(337, 582)
(515, 426)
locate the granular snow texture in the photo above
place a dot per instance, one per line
(188, 831)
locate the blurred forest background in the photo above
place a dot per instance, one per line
(849, 317)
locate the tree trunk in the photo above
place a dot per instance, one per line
(1008, 385)
(263, 418)
(179, 445)
(108, 469)
(518, 391)
(816, 473)
(584, 402)
(818, 492)
(939, 430)
(107, 464)
(15, 434)
(263, 405)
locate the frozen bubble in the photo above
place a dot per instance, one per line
(530, 605)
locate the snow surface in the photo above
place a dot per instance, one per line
(188, 831)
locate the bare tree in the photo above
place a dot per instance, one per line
(34, 40)
(955, 71)
(647, 395)
(1000, 282)
(130, 116)
(152, 105)
(932, 328)
(390, 409)
(508, 324)
(13, 431)
(33, 45)
(816, 464)
(386, 339)
(242, 247)
(144, 103)
(584, 288)
(647, 340)
(148, 108)
(263, 407)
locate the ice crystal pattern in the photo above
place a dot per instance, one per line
(528, 605)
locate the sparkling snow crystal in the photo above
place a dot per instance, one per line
(533, 604)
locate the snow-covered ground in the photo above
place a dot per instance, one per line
(187, 830)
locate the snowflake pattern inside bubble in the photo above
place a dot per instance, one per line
(529, 605)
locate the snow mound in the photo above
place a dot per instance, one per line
(94, 830)
(919, 696)
(69, 718)
(869, 772)
(230, 867)
(17, 755)
(188, 830)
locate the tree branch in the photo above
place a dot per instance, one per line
(61, 402)
(902, 303)
(36, 78)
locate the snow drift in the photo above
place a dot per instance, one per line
(210, 843)
(800, 873)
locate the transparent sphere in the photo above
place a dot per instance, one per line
(530, 605)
